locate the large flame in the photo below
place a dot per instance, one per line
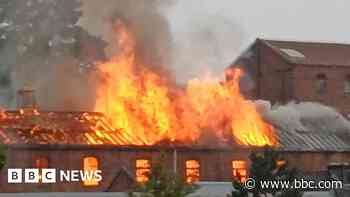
(146, 110)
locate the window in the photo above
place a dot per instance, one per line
(143, 168)
(347, 85)
(90, 165)
(321, 83)
(281, 163)
(239, 170)
(192, 171)
(41, 163)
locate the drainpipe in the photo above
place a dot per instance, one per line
(175, 160)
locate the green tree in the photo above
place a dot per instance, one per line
(238, 189)
(42, 36)
(264, 166)
(164, 183)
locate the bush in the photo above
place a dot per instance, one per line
(164, 183)
(264, 167)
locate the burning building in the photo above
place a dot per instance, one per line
(206, 131)
(87, 140)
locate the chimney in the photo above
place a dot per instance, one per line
(26, 99)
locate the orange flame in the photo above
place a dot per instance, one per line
(138, 102)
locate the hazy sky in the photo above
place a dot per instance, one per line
(298, 19)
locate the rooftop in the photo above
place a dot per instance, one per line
(82, 129)
(311, 53)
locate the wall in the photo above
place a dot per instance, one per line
(215, 165)
(304, 82)
(274, 81)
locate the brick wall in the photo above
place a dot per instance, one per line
(215, 165)
(305, 79)
(273, 81)
(279, 81)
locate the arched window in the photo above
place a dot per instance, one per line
(143, 168)
(41, 163)
(347, 85)
(90, 165)
(192, 171)
(321, 83)
(239, 170)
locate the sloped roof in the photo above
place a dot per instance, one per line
(313, 141)
(311, 53)
(57, 128)
(83, 128)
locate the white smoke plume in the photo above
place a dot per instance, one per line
(304, 116)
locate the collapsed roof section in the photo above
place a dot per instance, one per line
(91, 128)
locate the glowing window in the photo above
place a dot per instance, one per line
(281, 163)
(192, 171)
(143, 168)
(90, 166)
(41, 163)
(239, 170)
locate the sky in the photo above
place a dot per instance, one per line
(315, 20)
(209, 34)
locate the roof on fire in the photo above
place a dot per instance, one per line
(82, 128)
(57, 128)
(311, 53)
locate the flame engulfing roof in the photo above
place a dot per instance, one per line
(91, 128)
(17, 127)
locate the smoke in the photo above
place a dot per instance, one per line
(206, 44)
(304, 116)
(209, 44)
(146, 21)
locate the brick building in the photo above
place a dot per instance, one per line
(303, 71)
(84, 141)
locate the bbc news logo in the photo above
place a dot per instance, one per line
(51, 175)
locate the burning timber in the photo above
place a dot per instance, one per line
(66, 128)
(206, 130)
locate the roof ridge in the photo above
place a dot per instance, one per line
(304, 42)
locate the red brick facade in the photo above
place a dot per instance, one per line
(279, 77)
(118, 164)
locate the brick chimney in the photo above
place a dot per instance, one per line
(26, 99)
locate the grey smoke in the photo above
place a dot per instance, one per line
(304, 116)
(145, 19)
(209, 44)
